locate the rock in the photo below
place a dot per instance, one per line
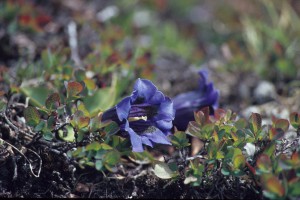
(265, 91)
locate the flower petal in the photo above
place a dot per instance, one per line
(166, 109)
(157, 136)
(135, 139)
(157, 98)
(146, 141)
(123, 108)
(144, 89)
(164, 124)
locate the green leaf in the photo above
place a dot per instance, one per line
(239, 161)
(295, 120)
(111, 158)
(48, 135)
(163, 171)
(225, 171)
(98, 164)
(240, 124)
(101, 100)
(179, 140)
(53, 101)
(37, 95)
(93, 146)
(112, 128)
(70, 134)
(2, 105)
(294, 189)
(73, 88)
(51, 123)
(40, 126)
(32, 116)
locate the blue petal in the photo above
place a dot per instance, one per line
(144, 89)
(166, 110)
(135, 139)
(186, 100)
(123, 108)
(157, 136)
(183, 117)
(164, 124)
(203, 79)
(157, 98)
(146, 141)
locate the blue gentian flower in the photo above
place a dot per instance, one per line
(146, 116)
(187, 103)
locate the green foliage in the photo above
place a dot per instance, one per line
(180, 140)
(231, 145)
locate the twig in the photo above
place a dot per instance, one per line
(2, 114)
(30, 166)
(194, 157)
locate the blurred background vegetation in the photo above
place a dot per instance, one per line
(241, 42)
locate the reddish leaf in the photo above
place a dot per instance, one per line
(272, 184)
(79, 120)
(220, 113)
(264, 163)
(32, 116)
(276, 133)
(283, 124)
(296, 159)
(74, 88)
(255, 122)
(53, 101)
(199, 117)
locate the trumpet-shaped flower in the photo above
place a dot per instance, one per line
(146, 116)
(187, 103)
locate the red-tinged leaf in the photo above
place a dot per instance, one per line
(296, 159)
(276, 133)
(220, 113)
(264, 163)
(79, 120)
(53, 101)
(255, 122)
(295, 119)
(205, 111)
(283, 124)
(273, 185)
(199, 117)
(194, 129)
(73, 88)
(32, 116)
(273, 119)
